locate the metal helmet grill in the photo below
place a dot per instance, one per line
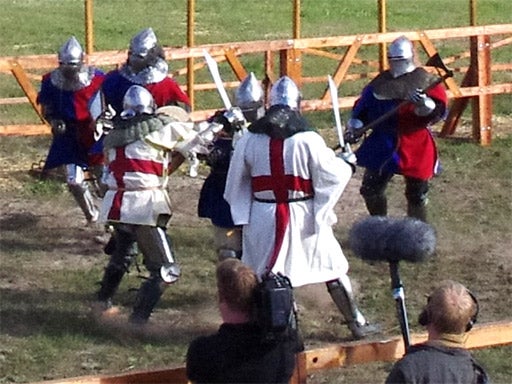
(136, 101)
(285, 92)
(71, 52)
(401, 56)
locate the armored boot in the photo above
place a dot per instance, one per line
(148, 296)
(341, 293)
(85, 201)
(377, 205)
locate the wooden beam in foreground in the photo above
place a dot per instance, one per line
(339, 355)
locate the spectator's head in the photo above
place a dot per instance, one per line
(236, 284)
(144, 50)
(71, 57)
(451, 308)
(401, 57)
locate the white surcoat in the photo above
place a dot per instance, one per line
(137, 178)
(283, 193)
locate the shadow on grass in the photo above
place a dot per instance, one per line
(30, 313)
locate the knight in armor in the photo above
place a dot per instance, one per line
(141, 151)
(212, 205)
(282, 186)
(145, 66)
(403, 143)
(65, 97)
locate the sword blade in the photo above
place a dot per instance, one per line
(214, 71)
(333, 90)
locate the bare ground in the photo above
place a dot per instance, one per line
(58, 233)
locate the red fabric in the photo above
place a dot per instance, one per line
(417, 150)
(280, 183)
(167, 91)
(119, 167)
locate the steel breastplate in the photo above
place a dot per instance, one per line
(83, 79)
(149, 75)
(386, 87)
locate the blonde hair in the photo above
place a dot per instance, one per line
(236, 284)
(451, 307)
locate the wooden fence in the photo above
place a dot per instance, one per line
(310, 361)
(476, 55)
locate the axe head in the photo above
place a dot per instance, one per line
(437, 62)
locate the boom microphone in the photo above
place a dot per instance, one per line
(382, 238)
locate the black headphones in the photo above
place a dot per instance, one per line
(424, 317)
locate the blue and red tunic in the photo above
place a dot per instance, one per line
(165, 92)
(402, 144)
(75, 145)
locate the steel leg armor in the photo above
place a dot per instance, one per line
(373, 190)
(342, 295)
(121, 258)
(416, 192)
(80, 191)
(160, 261)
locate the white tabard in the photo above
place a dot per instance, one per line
(283, 192)
(138, 176)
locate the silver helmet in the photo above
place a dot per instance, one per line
(401, 57)
(285, 92)
(249, 97)
(143, 42)
(136, 101)
(71, 52)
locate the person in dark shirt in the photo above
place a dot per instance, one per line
(238, 353)
(449, 314)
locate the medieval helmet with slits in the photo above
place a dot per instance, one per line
(136, 101)
(401, 56)
(285, 92)
(142, 43)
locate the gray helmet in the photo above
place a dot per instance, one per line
(71, 52)
(143, 42)
(401, 56)
(285, 92)
(249, 97)
(249, 92)
(136, 101)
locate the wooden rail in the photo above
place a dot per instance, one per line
(331, 356)
(479, 83)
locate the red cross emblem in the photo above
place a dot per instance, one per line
(119, 167)
(280, 184)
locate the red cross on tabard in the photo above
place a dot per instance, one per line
(280, 183)
(119, 167)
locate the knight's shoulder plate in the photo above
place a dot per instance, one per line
(386, 86)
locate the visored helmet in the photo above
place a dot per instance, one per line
(249, 97)
(285, 92)
(144, 51)
(137, 100)
(71, 52)
(143, 42)
(401, 56)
